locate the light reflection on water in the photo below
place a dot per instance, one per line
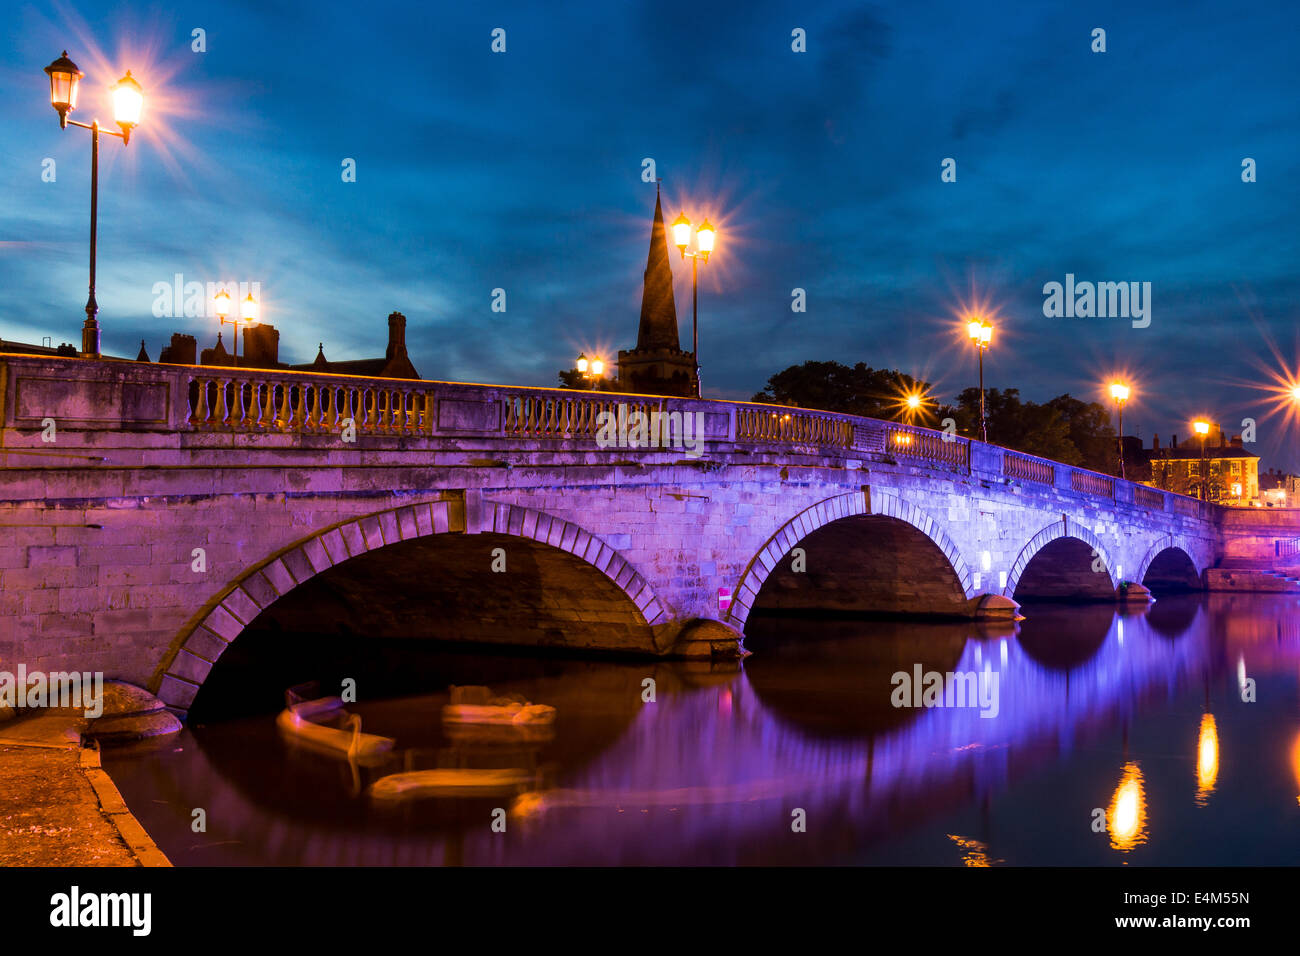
(1138, 717)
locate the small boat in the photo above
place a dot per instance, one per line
(508, 714)
(415, 784)
(299, 722)
(476, 705)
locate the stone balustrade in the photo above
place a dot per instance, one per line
(1027, 468)
(112, 395)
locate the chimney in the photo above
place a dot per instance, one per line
(261, 346)
(182, 351)
(396, 336)
(1155, 441)
(1173, 441)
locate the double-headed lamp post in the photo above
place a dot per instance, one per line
(981, 336)
(1120, 392)
(248, 314)
(1202, 428)
(704, 237)
(128, 100)
(593, 370)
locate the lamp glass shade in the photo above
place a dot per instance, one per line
(222, 303)
(597, 368)
(582, 363)
(704, 237)
(1201, 428)
(1119, 392)
(681, 232)
(249, 310)
(986, 335)
(65, 80)
(128, 101)
(973, 328)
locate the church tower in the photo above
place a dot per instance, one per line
(657, 366)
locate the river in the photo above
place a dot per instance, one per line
(1163, 736)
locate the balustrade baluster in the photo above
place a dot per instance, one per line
(223, 408)
(201, 410)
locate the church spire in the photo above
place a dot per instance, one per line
(658, 328)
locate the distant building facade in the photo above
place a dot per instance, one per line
(1222, 470)
(1279, 489)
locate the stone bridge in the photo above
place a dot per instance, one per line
(149, 514)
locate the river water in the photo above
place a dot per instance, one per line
(1161, 736)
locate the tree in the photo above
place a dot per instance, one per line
(855, 390)
(1022, 426)
(1090, 432)
(572, 378)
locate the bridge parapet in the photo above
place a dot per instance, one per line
(91, 402)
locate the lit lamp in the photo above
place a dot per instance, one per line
(981, 336)
(705, 236)
(912, 405)
(1202, 428)
(1120, 392)
(128, 103)
(592, 369)
(248, 314)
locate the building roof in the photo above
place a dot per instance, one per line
(1211, 452)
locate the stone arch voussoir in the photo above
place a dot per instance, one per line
(1057, 529)
(196, 651)
(823, 513)
(1162, 543)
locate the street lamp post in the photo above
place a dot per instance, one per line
(981, 335)
(704, 237)
(1120, 392)
(1202, 428)
(248, 314)
(593, 370)
(128, 100)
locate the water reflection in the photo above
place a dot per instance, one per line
(1095, 711)
(1207, 759)
(1126, 819)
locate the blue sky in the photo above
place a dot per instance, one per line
(522, 170)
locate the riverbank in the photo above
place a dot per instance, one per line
(57, 805)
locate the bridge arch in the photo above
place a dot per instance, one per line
(824, 513)
(1181, 553)
(1054, 532)
(201, 645)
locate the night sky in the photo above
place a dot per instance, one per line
(522, 170)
